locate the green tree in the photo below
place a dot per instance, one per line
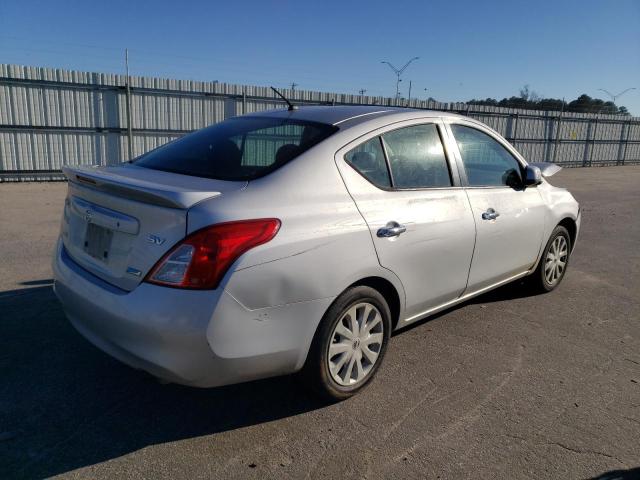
(529, 99)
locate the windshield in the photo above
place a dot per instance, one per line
(242, 148)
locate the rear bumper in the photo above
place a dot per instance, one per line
(197, 338)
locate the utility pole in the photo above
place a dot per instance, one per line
(362, 91)
(129, 129)
(293, 86)
(399, 72)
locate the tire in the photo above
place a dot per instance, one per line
(335, 349)
(552, 268)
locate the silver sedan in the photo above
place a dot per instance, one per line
(298, 240)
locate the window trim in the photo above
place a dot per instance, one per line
(464, 179)
(456, 181)
(386, 161)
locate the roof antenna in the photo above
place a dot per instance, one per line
(291, 105)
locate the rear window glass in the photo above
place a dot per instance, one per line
(241, 148)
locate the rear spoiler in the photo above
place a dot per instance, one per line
(129, 183)
(547, 169)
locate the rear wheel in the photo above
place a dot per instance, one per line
(554, 261)
(349, 345)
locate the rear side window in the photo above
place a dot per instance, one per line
(486, 162)
(368, 159)
(416, 157)
(241, 148)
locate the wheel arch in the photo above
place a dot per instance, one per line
(387, 290)
(570, 224)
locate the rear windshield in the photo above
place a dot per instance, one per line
(242, 148)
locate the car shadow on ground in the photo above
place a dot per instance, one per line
(631, 474)
(65, 405)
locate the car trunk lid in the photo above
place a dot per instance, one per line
(119, 221)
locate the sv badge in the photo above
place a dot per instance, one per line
(155, 239)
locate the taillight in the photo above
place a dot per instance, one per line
(201, 260)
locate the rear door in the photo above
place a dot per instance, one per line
(509, 218)
(119, 221)
(416, 210)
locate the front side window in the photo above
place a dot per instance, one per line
(416, 157)
(368, 159)
(240, 148)
(486, 162)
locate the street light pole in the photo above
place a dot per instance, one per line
(614, 97)
(399, 72)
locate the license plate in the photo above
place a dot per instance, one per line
(98, 241)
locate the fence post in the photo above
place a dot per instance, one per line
(557, 140)
(593, 141)
(623, 151)
(129, 128)
(244, 100)
(514, 133)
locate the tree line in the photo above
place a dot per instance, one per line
(531, 100)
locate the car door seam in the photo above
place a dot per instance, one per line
(475, 242)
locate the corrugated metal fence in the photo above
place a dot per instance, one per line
(50, 117)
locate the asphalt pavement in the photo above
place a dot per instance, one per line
(505, 386)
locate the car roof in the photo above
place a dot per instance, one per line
(346, 115)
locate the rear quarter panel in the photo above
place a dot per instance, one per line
(323, 244)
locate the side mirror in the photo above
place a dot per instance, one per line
(532, 176)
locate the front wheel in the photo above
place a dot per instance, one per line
(554, 261)
(349, 345)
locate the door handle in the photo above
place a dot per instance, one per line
(391, 229)
(490, 214)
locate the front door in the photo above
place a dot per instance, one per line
(508, 217)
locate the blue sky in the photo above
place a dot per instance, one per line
(467, 49)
